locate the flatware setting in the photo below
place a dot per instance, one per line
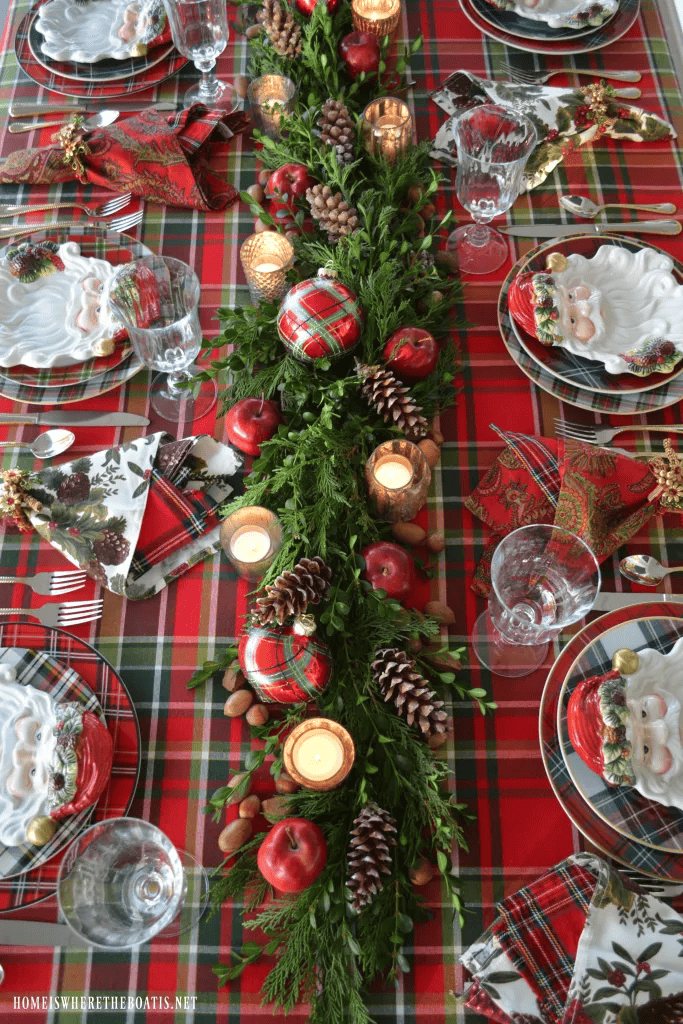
(645, 227)
(54, 106)
(125, 223)
(106, 209)
(46, 445)
(100, 120)
(580, 206)
(602, 435)
(524, 77)
(70, 613)
(51, 584)
(645, 569)
(76, 418)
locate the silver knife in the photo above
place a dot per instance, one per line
(651, 227)
(76, 418)
(30, 109)
(608, 602)
(38, 933)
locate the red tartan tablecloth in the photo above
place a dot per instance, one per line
(188, 747)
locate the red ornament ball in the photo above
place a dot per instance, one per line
(283, 665)
(319, 319)
(306, 7)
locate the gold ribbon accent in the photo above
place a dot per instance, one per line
(15, 496)
(668, 472)
(71, 140)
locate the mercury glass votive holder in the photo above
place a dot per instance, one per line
(271, 98)
(265, 259)
(378, 17)
(398, 478)
(318, 753)
(251, 538)
(387, 128)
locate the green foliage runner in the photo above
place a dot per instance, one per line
(311, 474)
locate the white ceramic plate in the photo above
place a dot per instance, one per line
(91, 30)
(561, 14)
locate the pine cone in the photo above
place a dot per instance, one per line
(369, 857)
(282, 29)
(424, 263)
(337, 129)
(307, 583)
(74, 489)
(111, 548)
(332, 211)
(665, 1010)
(393, 402)
(395, 675)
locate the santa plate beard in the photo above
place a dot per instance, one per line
(19, 804)
(666, 788)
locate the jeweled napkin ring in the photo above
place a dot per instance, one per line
(70, 138)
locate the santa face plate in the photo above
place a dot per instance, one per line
(559, 14)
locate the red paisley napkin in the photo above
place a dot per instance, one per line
(159, 157)
(600, 495)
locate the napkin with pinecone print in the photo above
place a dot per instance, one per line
(139, 515)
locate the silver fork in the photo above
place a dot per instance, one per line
(130, 220)
(541, 77)
(601, 435)
(660, 887)
(103, 210)
(71, 613)
(62, 582)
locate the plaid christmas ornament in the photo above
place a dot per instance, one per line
(319, 319)
(283, 664)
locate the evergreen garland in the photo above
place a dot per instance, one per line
(311, 474)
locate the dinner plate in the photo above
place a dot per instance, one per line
(148, 71)
(528, 28)
(621, 404)
(621, 807)
(78, 660)
(608, 33)
(97, 376)
(588, 374)
(659, 863)
(90, 30)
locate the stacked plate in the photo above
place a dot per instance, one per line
(77, 49)
(545, 31)
(572, 378)
(638, 832)
(30, 373)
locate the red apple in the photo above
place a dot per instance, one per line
(289, 182)
(389, 567)
(305, 7)
(292, 855)
(250, 422)
(360, 52)
(411, 352)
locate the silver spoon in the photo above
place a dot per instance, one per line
(100, 120)
(46, 445)
(582, 207)
(645, 569)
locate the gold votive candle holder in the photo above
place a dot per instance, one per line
(387, 128)
(271, 97)
(378, 17)
(398, 478)
(265, 259)
(319, 753)
(251, 538)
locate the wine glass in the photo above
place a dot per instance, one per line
(200, 32)
(157, 299)
(122, 881)
(543, 578)
(493, 144)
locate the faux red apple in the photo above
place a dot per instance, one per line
(411, 352)
(306, 7)
(250, 422)
(289, 182)
(360, 52)
(292, 855)
(389, 567)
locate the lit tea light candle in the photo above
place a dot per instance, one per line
(378, 17)
(393, 472)
(265, 259)
(271, 98)
(318, 753)
(251, 538)
(267, 268)
(387, 128)
(250, 544)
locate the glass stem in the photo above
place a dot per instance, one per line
(207, 83)
(478, 234)
(173, 379)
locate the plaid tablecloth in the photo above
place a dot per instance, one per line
(188, 747)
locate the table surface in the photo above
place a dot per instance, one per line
(188, 747)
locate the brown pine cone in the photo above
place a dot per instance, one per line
(281, 28)
(337, 129)
(74, 489)
(369, 857)
(396, 677)
(392, 401)
(111, 548)
(307, 583)
(332, 211)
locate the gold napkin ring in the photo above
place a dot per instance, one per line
(667, 470)
(70, 138)
(15, 496)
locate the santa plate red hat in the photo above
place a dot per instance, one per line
(597, 715)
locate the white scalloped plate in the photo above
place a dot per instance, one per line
(86, 32)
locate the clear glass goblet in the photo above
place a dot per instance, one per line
(122, 882)
(200, 32)
(157, 300)
(543, 578)
(493, 145)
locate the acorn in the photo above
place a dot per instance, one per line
(235, 835)
(41, 830)
(233, 679)
(408, 533)
(260, 227)
(237, 703)
(234, 782)
(437, 740)
(422, 872)
(241, 85)
(257, 193)
(286, 784)
(264, 176)
(439, 610)
(258, 714)
(431, 451)
(249, 807)
(436, 541)
(253, 31)
(275, 807)
(415, 193)
(428, 211)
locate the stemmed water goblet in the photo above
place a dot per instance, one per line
(543, 579)
(493, 144)
(122, 882)
(157, 300)
(200, 32)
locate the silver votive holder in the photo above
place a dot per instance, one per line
(387, 128)
(271, 98)
(265, 259)
(398, 477)
(251, 538)
(378, 17)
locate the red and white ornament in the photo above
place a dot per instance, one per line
(284, 664)
(319, 319)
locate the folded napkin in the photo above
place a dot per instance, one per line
(564, 118)
(598, 494)
(163, 158)
(133, 517)
(581, 945)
